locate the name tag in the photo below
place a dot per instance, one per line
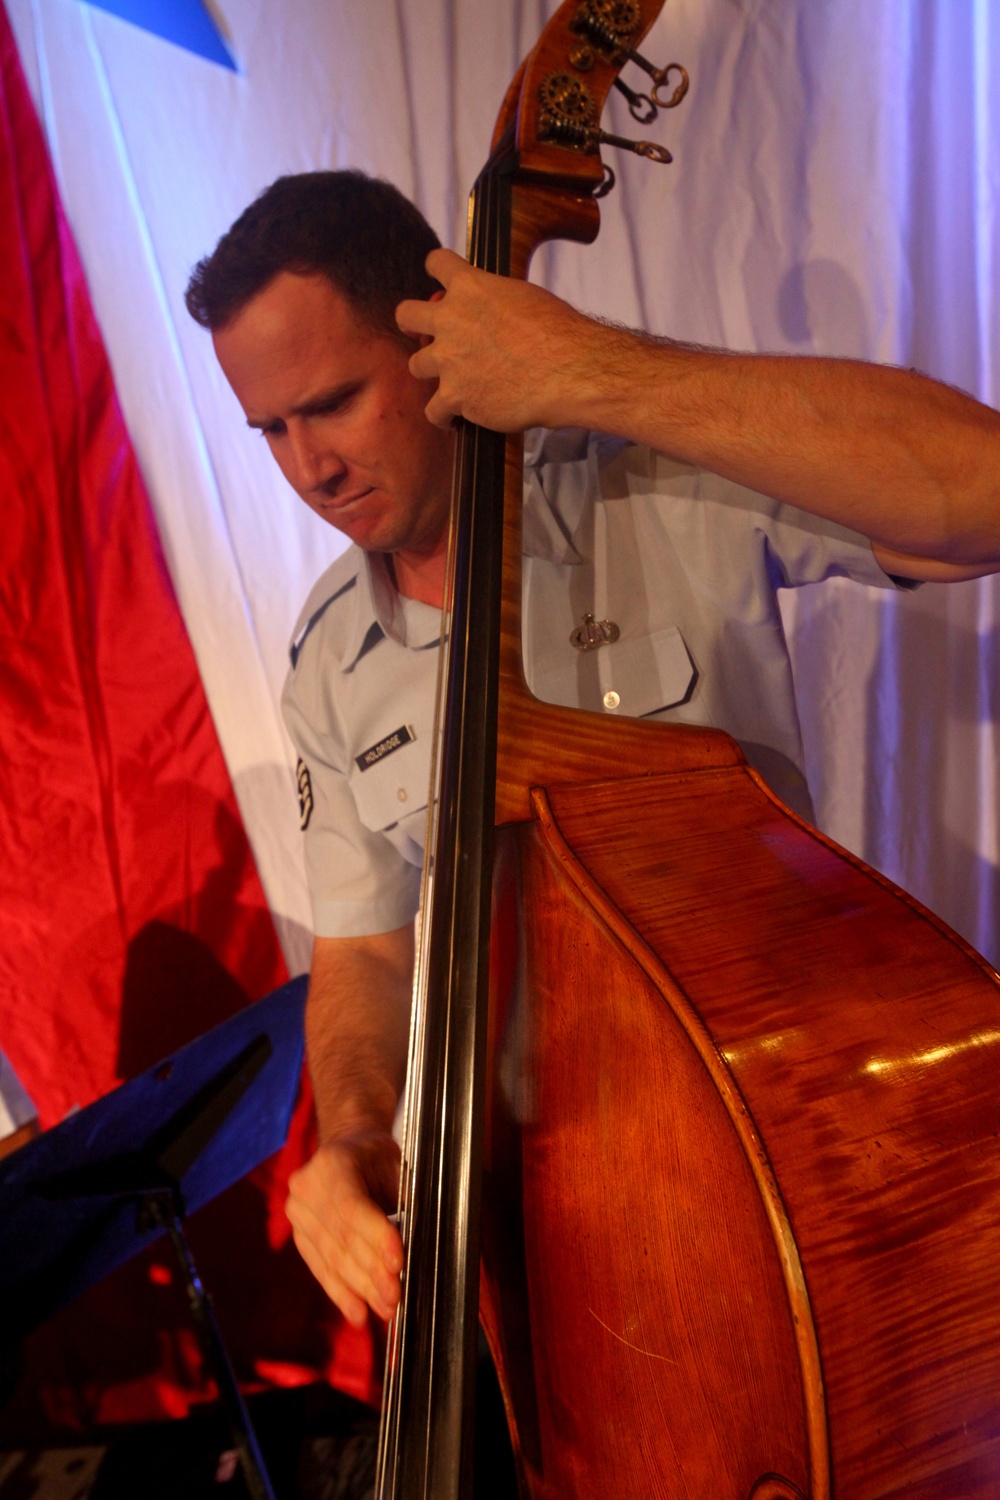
(371, 757)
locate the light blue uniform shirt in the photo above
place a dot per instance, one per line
(686, 564)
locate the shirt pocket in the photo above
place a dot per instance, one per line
(632, 677)
(394, 787)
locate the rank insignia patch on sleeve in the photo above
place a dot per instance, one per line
(304, 783)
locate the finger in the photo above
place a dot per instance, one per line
(443, 265)
(415, 318)
(352, 1271)
(353, 1249)
(370, 1239)
(356, 1243)
(438, 412)
(424, 364)
(353, 1307)
(365, 1273)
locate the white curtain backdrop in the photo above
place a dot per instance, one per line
(834, 191)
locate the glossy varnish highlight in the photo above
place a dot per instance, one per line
(748, 1090)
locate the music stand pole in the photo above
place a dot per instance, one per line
(162, 1208)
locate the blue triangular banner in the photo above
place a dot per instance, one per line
(184, 22)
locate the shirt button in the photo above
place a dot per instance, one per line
(401, 794)
(611, 699)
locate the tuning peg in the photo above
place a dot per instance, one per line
(640, 106)
(660, 77)
(649, 149)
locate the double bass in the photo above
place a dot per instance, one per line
(702, 1120)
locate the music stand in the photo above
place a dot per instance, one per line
(98, 1188)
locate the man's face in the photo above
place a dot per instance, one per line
(341, 413)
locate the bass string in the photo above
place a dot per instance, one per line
(485, 252)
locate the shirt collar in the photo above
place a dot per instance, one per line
(548, 525)
(380, 611)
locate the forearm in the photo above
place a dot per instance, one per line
(357, 1023)
(909, 462)
(357, 1027)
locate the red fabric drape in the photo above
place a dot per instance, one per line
(131, 915)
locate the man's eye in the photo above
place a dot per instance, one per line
(336, 402)
(273, 429)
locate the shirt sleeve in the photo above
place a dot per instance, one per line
(809, 549)
(801, 548)
(359, 882)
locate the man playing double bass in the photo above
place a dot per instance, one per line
(652, 556)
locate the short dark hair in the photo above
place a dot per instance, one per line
(358, 231)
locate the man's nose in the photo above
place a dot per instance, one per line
(314, 462)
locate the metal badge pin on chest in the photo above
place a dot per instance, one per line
(593, 633)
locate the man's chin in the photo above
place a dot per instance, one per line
(364, 532)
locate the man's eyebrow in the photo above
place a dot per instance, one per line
(312, 407)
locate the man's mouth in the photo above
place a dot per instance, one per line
(338, 504)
